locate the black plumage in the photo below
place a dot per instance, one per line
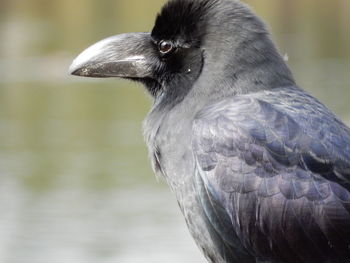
(260, 168)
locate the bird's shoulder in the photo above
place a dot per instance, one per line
(282, 128)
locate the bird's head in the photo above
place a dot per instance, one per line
(219, 46)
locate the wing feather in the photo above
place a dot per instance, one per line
(281, 172)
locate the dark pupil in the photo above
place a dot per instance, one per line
(165, 47)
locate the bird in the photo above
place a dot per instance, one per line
(260, 168)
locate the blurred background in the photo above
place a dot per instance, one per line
(75, 181)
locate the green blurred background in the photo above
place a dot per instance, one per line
(75, 182)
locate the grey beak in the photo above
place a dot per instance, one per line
(126, 56)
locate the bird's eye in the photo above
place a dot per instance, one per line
(166, 47)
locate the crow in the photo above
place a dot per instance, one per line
(260, 168)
